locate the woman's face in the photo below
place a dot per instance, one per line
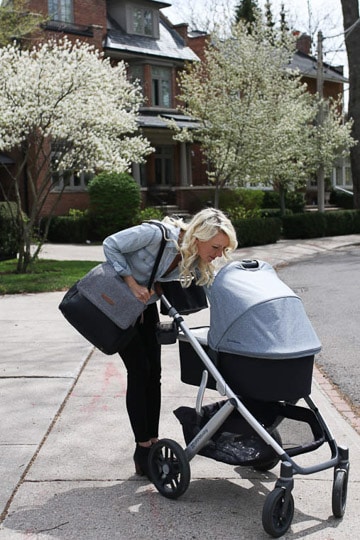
(213, 248)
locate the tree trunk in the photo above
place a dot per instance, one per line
(282, 193)
(350, 9)
(217, 194)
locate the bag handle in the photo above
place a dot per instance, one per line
(160, 252)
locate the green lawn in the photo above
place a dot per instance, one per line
(46, 276)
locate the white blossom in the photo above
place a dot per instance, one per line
(256, 117)
(65, 98)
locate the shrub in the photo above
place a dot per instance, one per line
(356, 214)
(274, 212)
(9, 242)
(294, 201)
(150, 213)
(114, 203)
(257, 231)
(239, 212)
(339, 222)
(73, 228)
(307, 225)
(250, 199)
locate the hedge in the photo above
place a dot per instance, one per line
(71, 229)
(9, 245)
(257, 231)
(319, 224)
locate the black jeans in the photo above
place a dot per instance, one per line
(142, 358)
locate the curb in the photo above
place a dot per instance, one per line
(341, 404)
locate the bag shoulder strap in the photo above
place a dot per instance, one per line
(160, 252)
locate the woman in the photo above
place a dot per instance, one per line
(189, 251)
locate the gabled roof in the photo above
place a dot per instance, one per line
(169, 45)
(307, 65)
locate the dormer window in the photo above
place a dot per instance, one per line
(143, 21)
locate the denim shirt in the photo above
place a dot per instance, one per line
(133, 252)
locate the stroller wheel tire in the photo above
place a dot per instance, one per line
(276, 518)
(169, 469)
(339, 492)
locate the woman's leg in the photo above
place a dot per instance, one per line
(142, 360)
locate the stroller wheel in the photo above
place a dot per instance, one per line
(339, 492)
(269, 464)
(169, 469)
(277, 518)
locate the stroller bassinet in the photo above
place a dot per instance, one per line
(260, 337)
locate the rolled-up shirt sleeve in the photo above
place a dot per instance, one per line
(118, 245)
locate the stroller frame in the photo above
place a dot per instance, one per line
(169, 468)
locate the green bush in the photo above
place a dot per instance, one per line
(319, 224)
(250, 199)
(294, 201)
(239, 212)
(149, 213)
(356, 218)
(9, 243)
(257, 231)
(274, 212)
(73, 228)
(339, 222)
(307, 225)
(114, 203)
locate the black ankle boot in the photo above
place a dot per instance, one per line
(141, 457)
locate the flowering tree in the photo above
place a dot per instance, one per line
(256, 118)
(63, 105)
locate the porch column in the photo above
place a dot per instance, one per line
(183, 165)
(136, 172)
(189, 167)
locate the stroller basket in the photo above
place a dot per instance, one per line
(236, 443)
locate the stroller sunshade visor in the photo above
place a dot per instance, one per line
(253, 313)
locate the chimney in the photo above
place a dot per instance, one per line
(303, 43)
(182, 29)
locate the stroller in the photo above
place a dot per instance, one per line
(258, 353)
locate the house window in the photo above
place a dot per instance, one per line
(342, 175)
(161, 87)
(136, 73)
(71, 180)
(164, 165)
(143, 22)
(61, 10)
(68, 179)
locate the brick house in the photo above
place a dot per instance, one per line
(154, 50)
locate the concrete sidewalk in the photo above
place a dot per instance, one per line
(66, 446)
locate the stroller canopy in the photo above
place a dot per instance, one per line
(253, 313)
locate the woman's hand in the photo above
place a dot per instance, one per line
(140, 292)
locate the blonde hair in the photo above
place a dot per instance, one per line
(204, 225)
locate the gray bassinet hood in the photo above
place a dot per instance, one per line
(253, 313)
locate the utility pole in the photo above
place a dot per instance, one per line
(320, 175)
